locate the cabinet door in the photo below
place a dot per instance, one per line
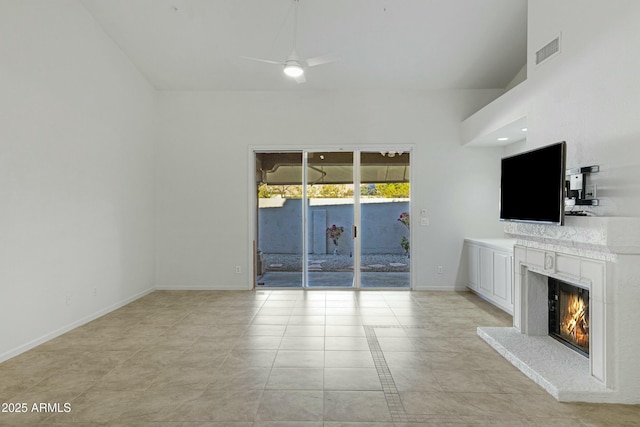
(473, 260)
(486, 271)
(501, 276)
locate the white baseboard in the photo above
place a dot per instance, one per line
(34, 343)
(201, 288)
(437, 288)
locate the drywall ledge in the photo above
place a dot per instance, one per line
(511, 108)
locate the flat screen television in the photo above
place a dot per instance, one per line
(532, 185)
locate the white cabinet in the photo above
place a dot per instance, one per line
(490, 270)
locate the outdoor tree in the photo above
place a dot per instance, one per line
(266, 191)
(394, 190)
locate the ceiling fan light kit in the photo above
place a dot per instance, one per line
(293, 69)
(294, 66)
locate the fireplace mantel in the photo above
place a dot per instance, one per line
(603, 256)
(591, 237)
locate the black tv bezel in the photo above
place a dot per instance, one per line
(561, 187)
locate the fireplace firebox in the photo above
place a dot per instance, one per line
(569, 315)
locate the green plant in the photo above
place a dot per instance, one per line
(405, 244)
(405, 219)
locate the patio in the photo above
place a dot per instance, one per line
(332, 271)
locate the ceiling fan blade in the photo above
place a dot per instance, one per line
(300, 79)
(319, 60)
(268, 61)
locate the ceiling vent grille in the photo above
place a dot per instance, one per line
(550, 49)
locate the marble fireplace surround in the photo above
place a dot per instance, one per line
(601, 254)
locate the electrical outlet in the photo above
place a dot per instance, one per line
(95, 292)
(68, 299)
(238, 269)
(440, 269)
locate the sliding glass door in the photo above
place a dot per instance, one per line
(384, 220)
(330, 219)
(333, 219)
(280, 238)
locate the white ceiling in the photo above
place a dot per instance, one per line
(382, 44)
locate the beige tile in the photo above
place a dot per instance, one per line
(344, 331)
(287, 424)
(390, 332)
(242, 359)
(406, 379)
(302, 343)
(268, 330)
(351, 379)
(241, 379)
(348, 359)
(99, 406)
(128, 378)
(346, 344)
(310, 310)
(296, 379)
(359, 406)
(348, 319)
(366, 424)
(304, 331)
(545, 405)
(287, 405)
(279, 311)
(299, 359)
(307, 320)
(270, 320)
(447, 360)
(396, 344)
(380, 320)
(258, 342)
(457, 381)
(376, 312)
(404, 359)
(158, 404)
(195, 358)
(221, 405)
(189, 377)
(427, 344)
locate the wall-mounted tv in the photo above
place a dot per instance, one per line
(532, 185)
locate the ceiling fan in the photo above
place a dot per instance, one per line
(294, 65)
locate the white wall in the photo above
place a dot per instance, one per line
(76, 173)
(203, 173)
(589, 95)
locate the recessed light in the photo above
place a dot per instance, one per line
(503, 139)
(524, 129)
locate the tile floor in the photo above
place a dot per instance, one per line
(288, 358)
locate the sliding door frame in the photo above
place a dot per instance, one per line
(253, 210)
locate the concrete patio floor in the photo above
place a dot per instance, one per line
(331, 279)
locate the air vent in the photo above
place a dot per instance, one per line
(550, 49)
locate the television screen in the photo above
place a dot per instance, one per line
(532, 185)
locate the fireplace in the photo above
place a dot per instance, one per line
(569, 315)
(600, 255)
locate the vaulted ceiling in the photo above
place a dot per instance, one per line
(381, 44)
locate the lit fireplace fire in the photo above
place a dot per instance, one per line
(574, 319)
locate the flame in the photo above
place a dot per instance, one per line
(574, 320)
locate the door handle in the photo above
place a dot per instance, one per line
(354, 231)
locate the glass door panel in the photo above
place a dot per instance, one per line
(279, 244)
(330, 219)
(384, 220)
